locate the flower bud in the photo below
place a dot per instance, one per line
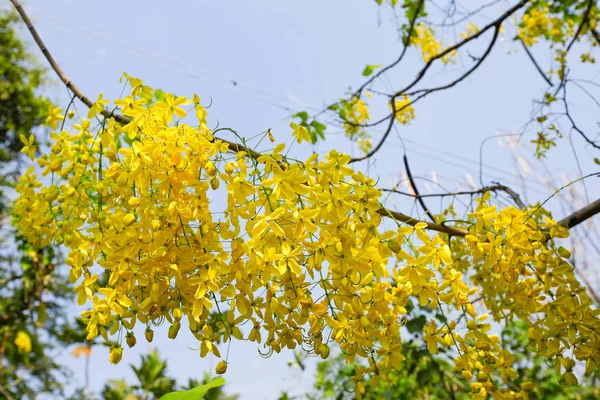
(174, 329)
(116, 353)
(221, 367)
(131, 341)
(149, 334)
(324, 351)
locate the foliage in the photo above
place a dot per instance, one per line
(21, 108)
(153, 383)
(427, 376)
(33, 290)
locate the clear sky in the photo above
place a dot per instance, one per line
(260, 61)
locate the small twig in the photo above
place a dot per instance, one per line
(6, 393)
(570, 118)
(422, 93)
(537, 66)
(414, 188)
(514, 195)
(584, 20)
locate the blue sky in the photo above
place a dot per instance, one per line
(261, 61)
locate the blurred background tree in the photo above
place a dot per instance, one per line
(34, 291)
(153, 382)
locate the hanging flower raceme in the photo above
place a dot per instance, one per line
(164, 223)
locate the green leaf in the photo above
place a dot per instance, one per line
(416, 324)
(196, 393)
(159, 95)
(319, 128)
(369, 69)
(303, 115)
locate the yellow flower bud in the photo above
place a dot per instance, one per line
(131, 341)
(174, 329)
(467, 375)
(394, 246)
(221, 367)
(527, 386)
(116, 353)
(324, 351)
(149, 334)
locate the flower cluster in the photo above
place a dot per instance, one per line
(355, 113)
(164, 223)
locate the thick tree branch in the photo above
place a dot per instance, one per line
(581, 215)
(569, 222)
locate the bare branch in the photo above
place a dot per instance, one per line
(514, 195)
(399, 59)
(422, 93)
(584, 21)
(494, 24)
(570, 118)
(358, 92)
(414, 188)
(537, 66)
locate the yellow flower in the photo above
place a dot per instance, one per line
(170, 106)
(23, 342)
(300, 133)
(54, 115)
(30, 147)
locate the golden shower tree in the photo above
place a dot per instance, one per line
(167, 221)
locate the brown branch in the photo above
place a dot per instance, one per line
(398, 216)
(414, 188)
(480, 60)
(123, 120)
(596, 35)
(569, 222)
(581, 215)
